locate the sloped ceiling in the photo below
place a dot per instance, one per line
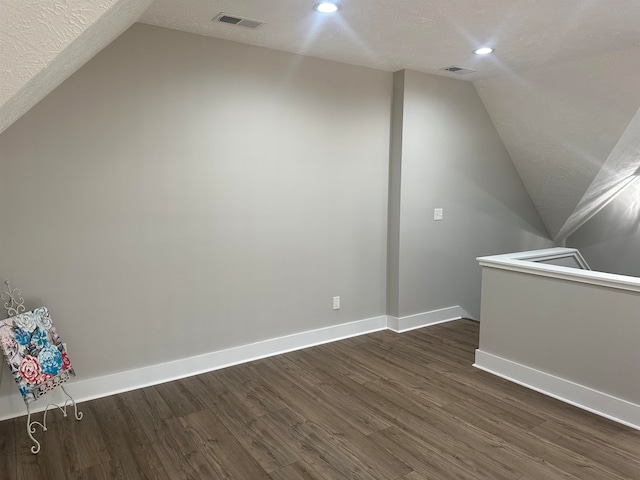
(560, 124)
(562, 87)
(42, 42)
(621, 168)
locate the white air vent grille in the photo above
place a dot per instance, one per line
(235, 20)
(457, 70)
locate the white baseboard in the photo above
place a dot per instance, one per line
(594, 401)
(419, 320)
(11, 404)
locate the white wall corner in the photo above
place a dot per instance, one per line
(424, 319)
(580, 396)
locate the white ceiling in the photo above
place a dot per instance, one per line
(561, 88)
(561, 123)
(43, 42)
(421, 35)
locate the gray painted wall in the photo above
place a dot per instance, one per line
(181, 194)
(395, 188)
(610, 241)
(586, 334)
(453, 158)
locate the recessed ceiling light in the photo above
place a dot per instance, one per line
(326, 7)
(483, 50)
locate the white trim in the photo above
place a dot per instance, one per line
(419, 320)
(525, 262)
(545, 257)
(12, 405)
(594, 401)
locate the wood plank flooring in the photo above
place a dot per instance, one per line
(377, 407)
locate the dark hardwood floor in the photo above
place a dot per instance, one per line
(381, 406)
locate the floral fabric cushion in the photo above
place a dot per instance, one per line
(34, 352)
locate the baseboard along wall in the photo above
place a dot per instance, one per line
(419, 320)
(91, 388)
(594, 401)
(600, 403)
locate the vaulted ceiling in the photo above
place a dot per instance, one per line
(43, 42)
(562, 88)
(568, 128)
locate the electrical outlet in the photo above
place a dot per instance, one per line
(437, 214)
(336, 303)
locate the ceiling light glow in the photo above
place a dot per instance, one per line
(483, 50)
(326, 7)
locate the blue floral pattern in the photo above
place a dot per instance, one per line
(40, 338)
(50, 360)
(22, 337)
(35, 353)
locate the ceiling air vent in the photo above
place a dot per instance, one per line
(234, 20)
(458, 70)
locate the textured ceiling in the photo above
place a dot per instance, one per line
(560, 124)
(561, 88)
(421, 35)
(42, 42)
(620, 169)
